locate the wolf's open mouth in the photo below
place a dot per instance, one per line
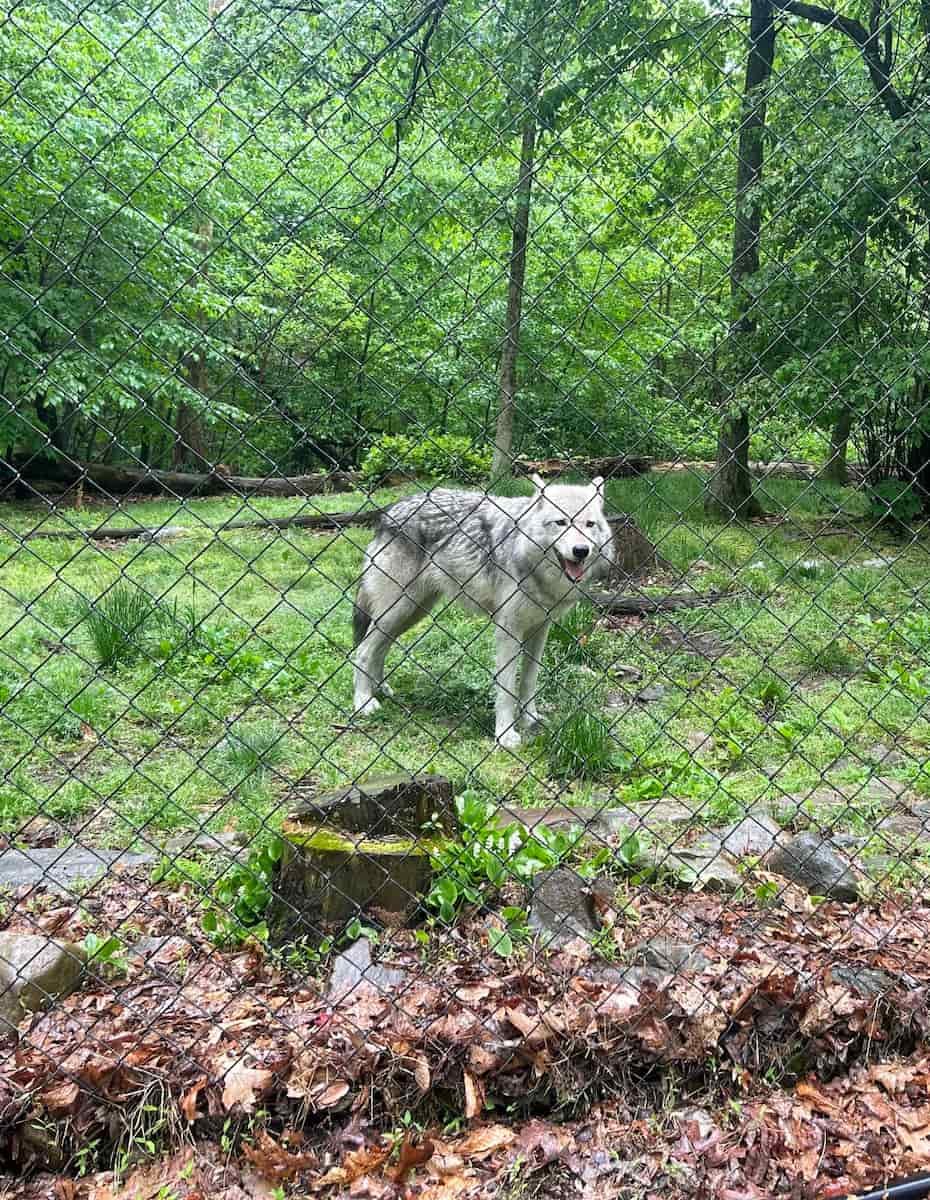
(574, 570)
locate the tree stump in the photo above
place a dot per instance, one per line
(634, 553)
(365, 849)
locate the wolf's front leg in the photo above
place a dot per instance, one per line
(506, 695)
(533, 649)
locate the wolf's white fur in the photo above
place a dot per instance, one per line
(517, 560)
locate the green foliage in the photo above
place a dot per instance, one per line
(894, 502)
(125, 623)
(251, 749)
(434, 456)
(580, 746)
(570, 637)
(473, 868)
(105, 954)
(241, 896)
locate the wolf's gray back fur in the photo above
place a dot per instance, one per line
(517, 560)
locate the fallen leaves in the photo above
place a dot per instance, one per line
(243, 1085)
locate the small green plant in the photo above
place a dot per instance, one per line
(251, 749)
(105, 954)
(604, 943)
(503, 940)
(767, 894)
(486, 856)
(436, 456)
(771, 692)
(241, 897)
(570, 637)
(121, 624)
(580, 746)
(894, 503)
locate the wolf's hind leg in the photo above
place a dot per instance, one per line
(400, 613)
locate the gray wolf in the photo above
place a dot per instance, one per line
(517, 560)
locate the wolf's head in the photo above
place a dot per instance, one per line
(569, 522)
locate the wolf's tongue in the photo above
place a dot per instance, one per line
(574, 570)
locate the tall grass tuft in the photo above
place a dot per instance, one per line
(120, 623)
(252, 749)
(580, 746)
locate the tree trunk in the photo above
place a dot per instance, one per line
(730, 489)
(502, 462)
(836, 468)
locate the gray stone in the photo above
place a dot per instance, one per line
(34, 972)
(886, 756)
(561, 908)
(61, 868)
(701, 870)
(163, 534)
(751, 837)
(355, 969)
(212, 843)
(670, 955)
(816, 864)
(651, 693)
(867, 981)
(699, 742)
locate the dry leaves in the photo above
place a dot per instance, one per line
(243, 1085)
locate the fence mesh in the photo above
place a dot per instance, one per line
(463, 682)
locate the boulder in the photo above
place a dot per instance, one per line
(354, 969)
(35, 971)
(816, 864)
(562, 908)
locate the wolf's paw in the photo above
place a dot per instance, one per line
(509, 739)
(532, 720)
(368, 707)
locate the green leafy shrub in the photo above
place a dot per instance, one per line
(241, 897)
(893, 502)
(436, 456)
(472, 869)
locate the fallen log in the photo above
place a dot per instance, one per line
(616, 604)
(148, 481)
(104, 533)
(616, 467)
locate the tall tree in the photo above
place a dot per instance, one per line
(730, 492)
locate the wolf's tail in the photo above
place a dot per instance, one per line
(361, 620)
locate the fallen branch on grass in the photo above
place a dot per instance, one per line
(147, 481)
(617, 604)
(322, 521)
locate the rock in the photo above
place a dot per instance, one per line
(670, 955)
(647, 695)
(60, 868)
(398, 804)
(867, 981)
(234, 844)
(354, 968)
(751, 837)
(886, 756)
(701, 870)
(34, 972)
(816, 864)
(699, 742)
(875, 562)
(163, 534)
(561, 908)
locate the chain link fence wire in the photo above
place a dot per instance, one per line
(464, 476)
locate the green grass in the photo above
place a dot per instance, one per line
(158, 686)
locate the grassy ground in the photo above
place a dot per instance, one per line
(237, 684)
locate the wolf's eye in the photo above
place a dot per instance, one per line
(590, 524)
(560, 521)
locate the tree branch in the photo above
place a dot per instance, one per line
(867, 42)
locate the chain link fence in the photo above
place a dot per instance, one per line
(463, 671)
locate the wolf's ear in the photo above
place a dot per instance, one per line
(538, 482)
(597, 485)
